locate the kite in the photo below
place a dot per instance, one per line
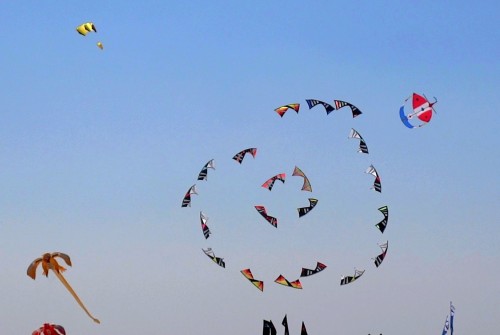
(355, 110)
(452, 316)
(86, 28)
(381, 257)
(308, 272)
(50, 329)
(268, 328)
(204, 227)
(422, 109)
(204, 171)
(285, 324)
(272, 220)
(382, 224)
(303, 331)
(240, 155)
(187, 198)
(257, 283)
(307, 185)
(219, 261)
(376, 184)
(49, 262)
(100, 46)
(362, 144)
(283, 281)
(270, 182)
(446, 326)
(304, 210)
(350, 279)
(312, 102)
(282, 109)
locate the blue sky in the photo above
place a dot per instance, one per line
(97, 149)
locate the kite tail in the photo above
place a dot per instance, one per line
(70, 289)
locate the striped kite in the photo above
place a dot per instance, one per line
(312, 102)
(270, 182)
(204, 227)
(217, 260)
(355, 110)
(350, 279)
(306, 186)
(240, 155)
(282, 109)
(377, 186)
(304, 210)
(283, 281)
(204, 171)
(257, 283)
(271, 219)
(308, 272)
(382, 224)
(86, 28)
(186, 201)
(380, 258)
(362, 144)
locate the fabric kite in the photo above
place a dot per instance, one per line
(377, 186)
(50, 329)
(355, 110)
(350, 279)
(308, 272)
(382, 224)
(362, 144)
(100, 46)
(204, 227)
(306, 186)
(304, 210)
(49, 262)
(204, 171)
(271, 219)
(381, 257)
(86, 28)
(285, 324)
(240, 155)
(217, 260)
(421, 108)
(186, 201)
(269, 328)
(312, 102)
(282, 109)
(303, 331)
(270, 182)
(283, 281)
(257, 283)
(452, 316)
(446, 326)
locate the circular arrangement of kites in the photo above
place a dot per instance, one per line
(413, 115)
(280, 177)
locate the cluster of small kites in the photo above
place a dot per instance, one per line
(415, 116)
(421, 110)
(269, 329)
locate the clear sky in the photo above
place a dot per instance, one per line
(97, 149)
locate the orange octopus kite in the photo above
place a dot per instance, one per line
(49, 262)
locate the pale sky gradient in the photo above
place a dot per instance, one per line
(97, 149)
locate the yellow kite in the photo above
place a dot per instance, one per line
(86, 28)
(49, 262)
